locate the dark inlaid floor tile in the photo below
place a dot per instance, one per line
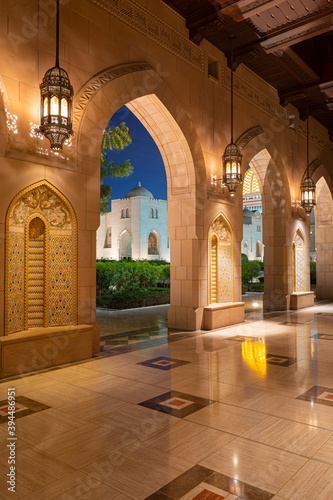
(318, 394)
(322, 336)
(201, 483)
(186, 481)
(273, 359)
(236, 487)
(239, 338)
(177, 403)
(291, 323)
(23, 407)
(163, 363)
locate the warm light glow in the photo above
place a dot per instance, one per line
(254, 353)
(64, 107)
(46, 106)
(234, 167)
(54, 105)
(255, 304)
(306, 195)
(228, 168)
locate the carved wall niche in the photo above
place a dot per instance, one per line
(298, 259)
(41, 260)
(220, 261)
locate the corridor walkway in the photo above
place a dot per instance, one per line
(245, 412)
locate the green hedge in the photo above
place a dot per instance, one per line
(313, 275)
(132, 299)
(112, 276)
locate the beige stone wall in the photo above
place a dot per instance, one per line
(112, 59)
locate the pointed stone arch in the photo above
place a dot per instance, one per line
(40, 264)
(324, 238)
(276, 210)
(143, 91)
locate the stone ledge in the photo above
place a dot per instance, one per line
(40, 348)
(223, 314)
(299, 300)
(40, 333)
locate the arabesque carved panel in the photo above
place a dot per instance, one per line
(41, 260)
(221, 259)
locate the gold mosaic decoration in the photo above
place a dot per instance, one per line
(250, 183)
(35, 276)
(298, 259)
(220, 261)
(41, 260)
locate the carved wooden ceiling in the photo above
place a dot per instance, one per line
(288, 43)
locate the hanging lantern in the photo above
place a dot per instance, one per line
(232, 160)
(308, 194)
(56, 107)
(56, 102)
(232, 157)
(308, 187)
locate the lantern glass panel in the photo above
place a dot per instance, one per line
(46, 106)
(54, 105)
(64, 107)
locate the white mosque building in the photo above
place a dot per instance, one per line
(135, 228)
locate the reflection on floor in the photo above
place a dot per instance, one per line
(245, 412)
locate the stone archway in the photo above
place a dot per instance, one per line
(142, 89)
(324, 239)
(276, 210)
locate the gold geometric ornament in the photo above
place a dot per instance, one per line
(41, 260)
(220, 261)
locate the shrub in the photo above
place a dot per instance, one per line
(112, 276)
(244, 258)
(130, 299)
(313, 273)
(255, 287)
(250, 270)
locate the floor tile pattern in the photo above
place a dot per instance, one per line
(228, 423)
(279, 360)
(322, 336)
(317, 394)
(163, 363)
(202, 483)
(177, 403)
(23, 407)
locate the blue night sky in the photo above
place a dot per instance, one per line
(144, 156)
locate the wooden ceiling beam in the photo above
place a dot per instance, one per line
(244, 9)
(304, 90)
(298, 31)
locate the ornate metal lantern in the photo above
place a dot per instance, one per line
(308, 188)
(308, 194)
(56, 102)
(232, 157)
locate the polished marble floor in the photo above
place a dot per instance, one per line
(245, 412)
